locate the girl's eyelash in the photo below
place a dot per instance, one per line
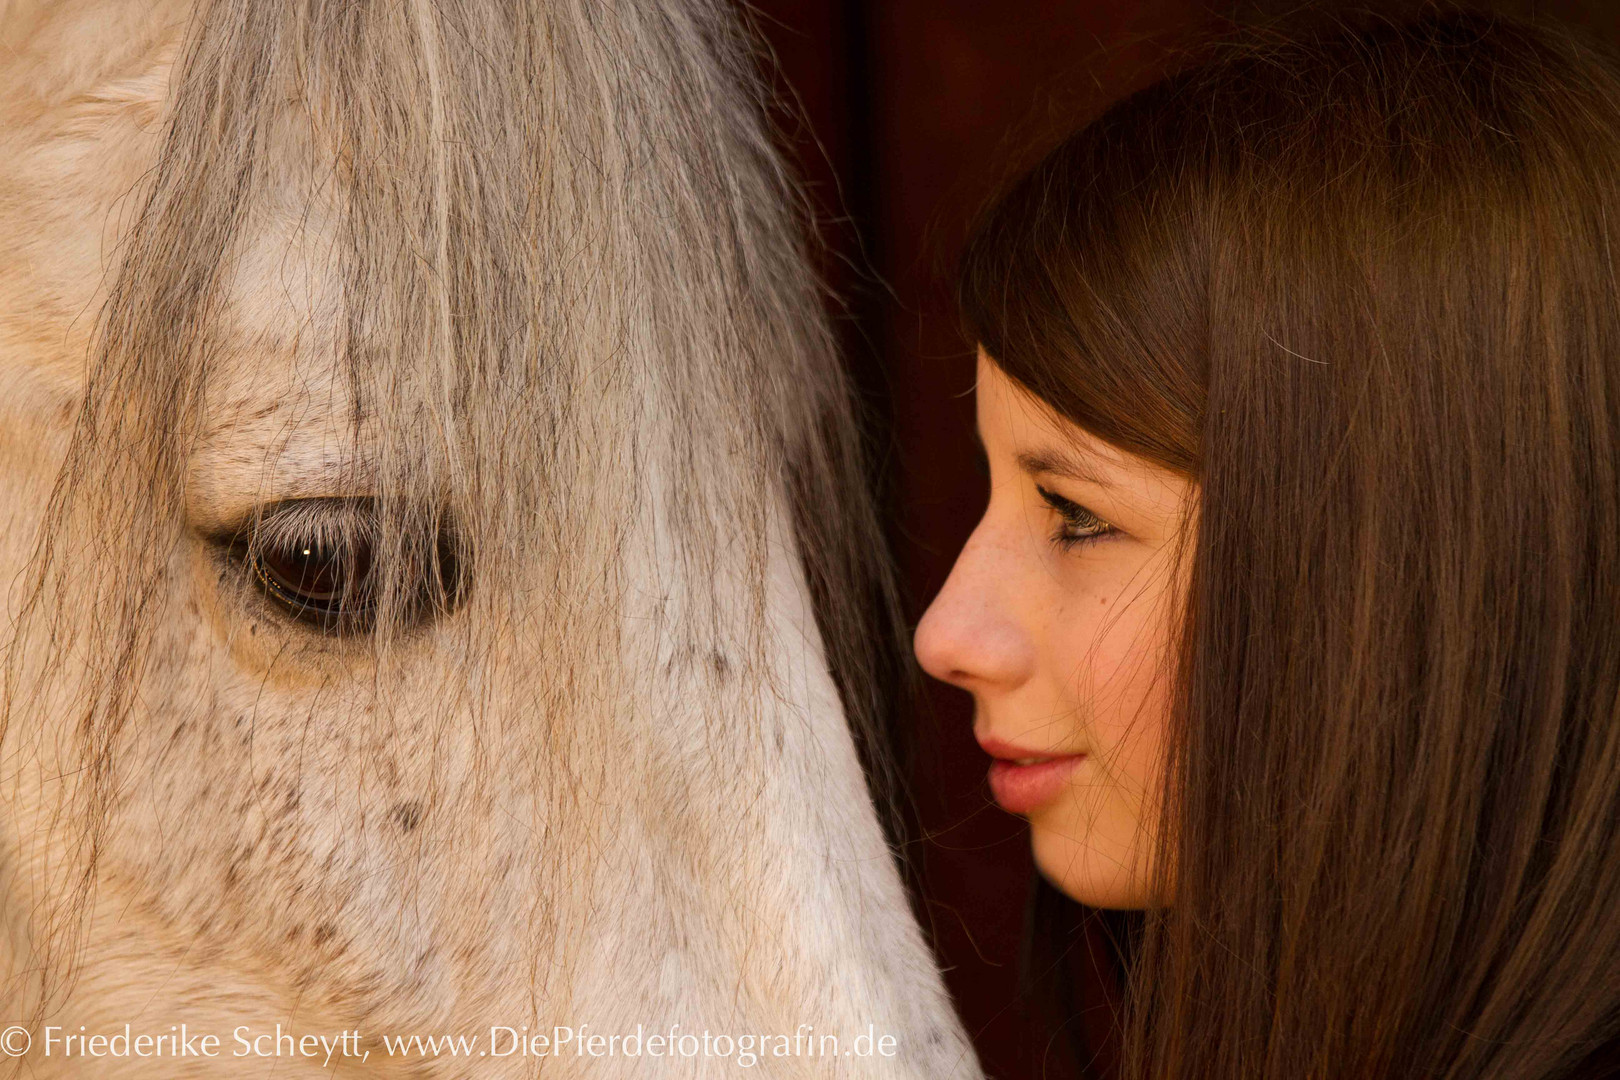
(1080, 526)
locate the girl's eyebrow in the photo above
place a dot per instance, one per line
(1049, 461)
(1054, 461)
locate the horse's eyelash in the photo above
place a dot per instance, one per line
(324, 524)
(331, 521)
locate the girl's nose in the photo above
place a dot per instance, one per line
(970, 635)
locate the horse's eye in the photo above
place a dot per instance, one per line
(316, 560)
(320, 581)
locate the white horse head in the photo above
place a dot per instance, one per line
(420, 447)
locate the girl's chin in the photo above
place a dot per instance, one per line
(1097, 875)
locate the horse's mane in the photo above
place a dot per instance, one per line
(571, 308)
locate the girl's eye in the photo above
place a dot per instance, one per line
(1080, 526)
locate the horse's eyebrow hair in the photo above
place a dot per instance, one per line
(1055, 461)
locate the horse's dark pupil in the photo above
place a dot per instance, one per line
(332, 583)
(317, 575)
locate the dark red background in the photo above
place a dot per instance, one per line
(902, 116)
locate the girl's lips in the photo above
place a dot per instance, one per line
(1023, 789)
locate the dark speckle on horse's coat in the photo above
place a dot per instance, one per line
(407, 815)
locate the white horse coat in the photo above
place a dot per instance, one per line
(492, 313)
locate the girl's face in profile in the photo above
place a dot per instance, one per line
(1057, 618)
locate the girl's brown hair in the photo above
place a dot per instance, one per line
(1360, 284)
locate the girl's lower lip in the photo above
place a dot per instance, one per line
(1021, 789)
